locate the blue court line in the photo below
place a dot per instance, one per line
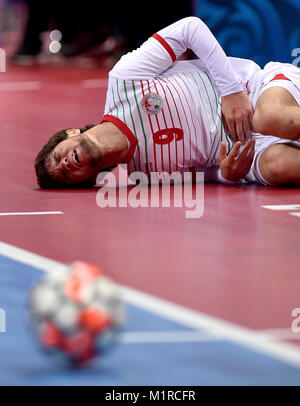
(188, 363)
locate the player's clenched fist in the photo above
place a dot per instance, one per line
(237, 116)
(235, 166)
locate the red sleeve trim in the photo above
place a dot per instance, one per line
(166, 46)
(125, 130)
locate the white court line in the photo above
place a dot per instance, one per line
(295, 214)
(259, 342)
(28, 258)
(94, 83)
(281, 334)
(17, 86)
(279, 207)
(30, 213)
(142, 337)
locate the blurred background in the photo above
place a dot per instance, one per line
(34, 31)
(261, 30)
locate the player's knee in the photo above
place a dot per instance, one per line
(273, 165)
(266, 120)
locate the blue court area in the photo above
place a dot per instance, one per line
(141, 362)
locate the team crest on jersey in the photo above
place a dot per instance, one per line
(152, 103)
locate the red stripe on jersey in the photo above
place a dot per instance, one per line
(150, 122)
(169, 81)
(280, 76)
(166, 46)
(157, 122)
(125, 130)
(192, 115)
(166, 125)
(171, 116)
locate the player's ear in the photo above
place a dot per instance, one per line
(72, 132)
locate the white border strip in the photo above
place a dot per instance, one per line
(260, 342)
(142, 337)
(282, 207)
(295, 214)
(282, 334)
(28, 258)
(30, 213)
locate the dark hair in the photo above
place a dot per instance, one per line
(44, 179)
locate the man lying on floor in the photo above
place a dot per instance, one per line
(166, 116)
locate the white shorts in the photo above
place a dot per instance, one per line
(262, 142)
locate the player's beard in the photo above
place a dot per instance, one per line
(92, 150)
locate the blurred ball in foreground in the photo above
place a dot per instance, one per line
(76, 311)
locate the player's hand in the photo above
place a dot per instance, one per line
(235, 166)
(237, 116)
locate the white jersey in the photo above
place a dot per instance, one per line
(171, 111)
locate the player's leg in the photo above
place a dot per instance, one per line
(279, 164)
(277, 113)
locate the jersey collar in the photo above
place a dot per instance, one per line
(125, 130)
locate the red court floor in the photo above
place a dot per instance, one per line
(239, 262)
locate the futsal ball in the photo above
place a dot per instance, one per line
(76, 311)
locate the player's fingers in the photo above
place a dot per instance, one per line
(240, 130)
(247, 128)
(234, 152)
(232, 130)
(247, 153)
(250, 120)
(223, 152)
(251, 152)
(246, 148)
(250, 156)
(224, 123)
(252, 148)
